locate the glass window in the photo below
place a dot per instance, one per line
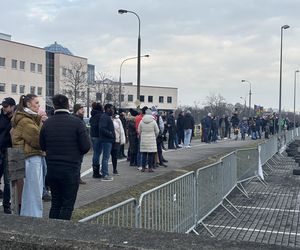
(64, 71)
(150, 98)
(40, 68)
(108, 96)
(130, 98)
(161, 99)
(122, 98)
(39, 90)
(32, 90)
(2, 62)
(2, 87)
(22, 65)
(14, 88)
(169, 99)
(98, 96)
(32, 67)
(14, 64)
(22, 89)
(142, 98)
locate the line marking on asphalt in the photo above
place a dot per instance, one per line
(254, 230)
(274, 194)
(270, 209)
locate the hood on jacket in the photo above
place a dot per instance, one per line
(147, 119)
(19, 115)
(95, 112)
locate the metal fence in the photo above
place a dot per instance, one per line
(169, 207)
(122, 215)
(181, 204)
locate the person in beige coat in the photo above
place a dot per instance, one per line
(148, 131)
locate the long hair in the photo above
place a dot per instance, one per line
(24, 99)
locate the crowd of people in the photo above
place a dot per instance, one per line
(48, 151)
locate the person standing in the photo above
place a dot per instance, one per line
(180, 128)
(171, 130)
(222, 126)
(8, 105)
(148, 131)
(96, 113)
(65, 141)
(188, 126)
(26, 125)
(107, 138)
(78, 111)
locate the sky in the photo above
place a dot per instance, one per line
(200, 47)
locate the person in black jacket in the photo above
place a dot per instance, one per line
(8, 105)
(107, 137)
(65, 140)
(180, 128)
(96, 113)
(171, 130)
(188, 126)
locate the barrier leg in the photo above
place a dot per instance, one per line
(232, 204)
(228, 210)
(242, 190)
(208, 230)
(269, 166)
(262, 181)
(265, 173)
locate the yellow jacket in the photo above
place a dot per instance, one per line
(26, 133)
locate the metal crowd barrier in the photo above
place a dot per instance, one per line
(180, 205)
(122, 215)
(169, 207)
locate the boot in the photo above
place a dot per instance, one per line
(96, 173)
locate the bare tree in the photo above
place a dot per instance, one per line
(216, 104)
(75, 82)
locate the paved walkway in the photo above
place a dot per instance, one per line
(271, 215)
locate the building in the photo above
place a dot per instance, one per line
(22, 70)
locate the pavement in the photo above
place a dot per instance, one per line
(270, 216)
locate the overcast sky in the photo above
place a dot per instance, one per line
(200, 47)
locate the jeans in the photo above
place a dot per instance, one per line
(64, 187)
(187, 137)
(4, 170)
(106, 147)
(32, 204)
(97, 150)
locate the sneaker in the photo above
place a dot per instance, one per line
(116, 173)
(97, 176)
(46, 197)
(188, 146)
(107, 178)
(7, 210)
(139, 168)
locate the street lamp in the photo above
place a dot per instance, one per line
(295, 79)
(284, 27)
(122, 11)
(120, 81)
(245, 100)
(250, 93)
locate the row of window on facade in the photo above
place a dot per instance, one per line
(21, 89)
(21, 65)
(161, 99)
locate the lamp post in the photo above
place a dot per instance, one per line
(284, 27)
(120, 75)
(250, 93)
(295, 80)
(245, 100)
(122, 11)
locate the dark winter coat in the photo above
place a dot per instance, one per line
(207, 122)
(235, 121)
(188, 121)
(180, 122)
(132, 135)
(5, 127)
(65, 140)
(94, 122)
(106, 129)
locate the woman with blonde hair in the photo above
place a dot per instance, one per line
(26, 125)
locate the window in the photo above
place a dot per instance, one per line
(64, 71)
(22, 65)
(142, 98)
(150, 98)
(169, 99)
(32, 67)
(122, 98)
(2, 87)
(40, 90)
(14, 88)
(130, 98)
(108, 96)
(40, 68)
(22, 89)
(2, 62)
(98, 96)
(14, 64)
(32, 90)
(161, 99)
